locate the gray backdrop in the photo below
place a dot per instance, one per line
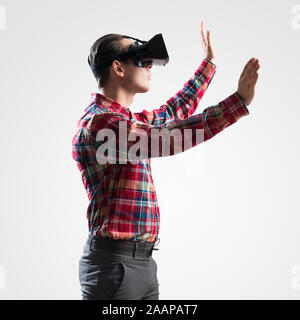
(229, 207)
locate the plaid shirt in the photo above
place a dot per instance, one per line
(122, 197)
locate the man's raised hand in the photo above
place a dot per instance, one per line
(209, 50)
(248, 79)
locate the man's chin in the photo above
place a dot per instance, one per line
(145, 89)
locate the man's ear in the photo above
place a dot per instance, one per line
(117, 68)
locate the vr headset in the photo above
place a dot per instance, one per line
(140, 52)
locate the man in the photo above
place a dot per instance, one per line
(123, 213)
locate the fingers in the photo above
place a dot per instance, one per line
(251, 67)
(254, 80)
(252, 75)
(208, 37)
(246, 67)
(255, 75)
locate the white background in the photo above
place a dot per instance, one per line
(229, 207)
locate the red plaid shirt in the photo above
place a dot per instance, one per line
(122, 196)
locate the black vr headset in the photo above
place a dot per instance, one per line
(140, 52)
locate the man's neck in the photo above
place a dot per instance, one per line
(121, 96)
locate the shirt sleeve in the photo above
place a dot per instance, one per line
(131, 141)
(184, 103)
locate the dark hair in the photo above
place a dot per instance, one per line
(104, 48)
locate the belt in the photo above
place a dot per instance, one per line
(135, 248)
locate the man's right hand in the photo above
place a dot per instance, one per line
(248, 80)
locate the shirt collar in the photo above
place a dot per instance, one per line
(109, 103)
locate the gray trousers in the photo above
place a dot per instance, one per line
(111, 275)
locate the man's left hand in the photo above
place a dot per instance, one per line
(209, 50)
